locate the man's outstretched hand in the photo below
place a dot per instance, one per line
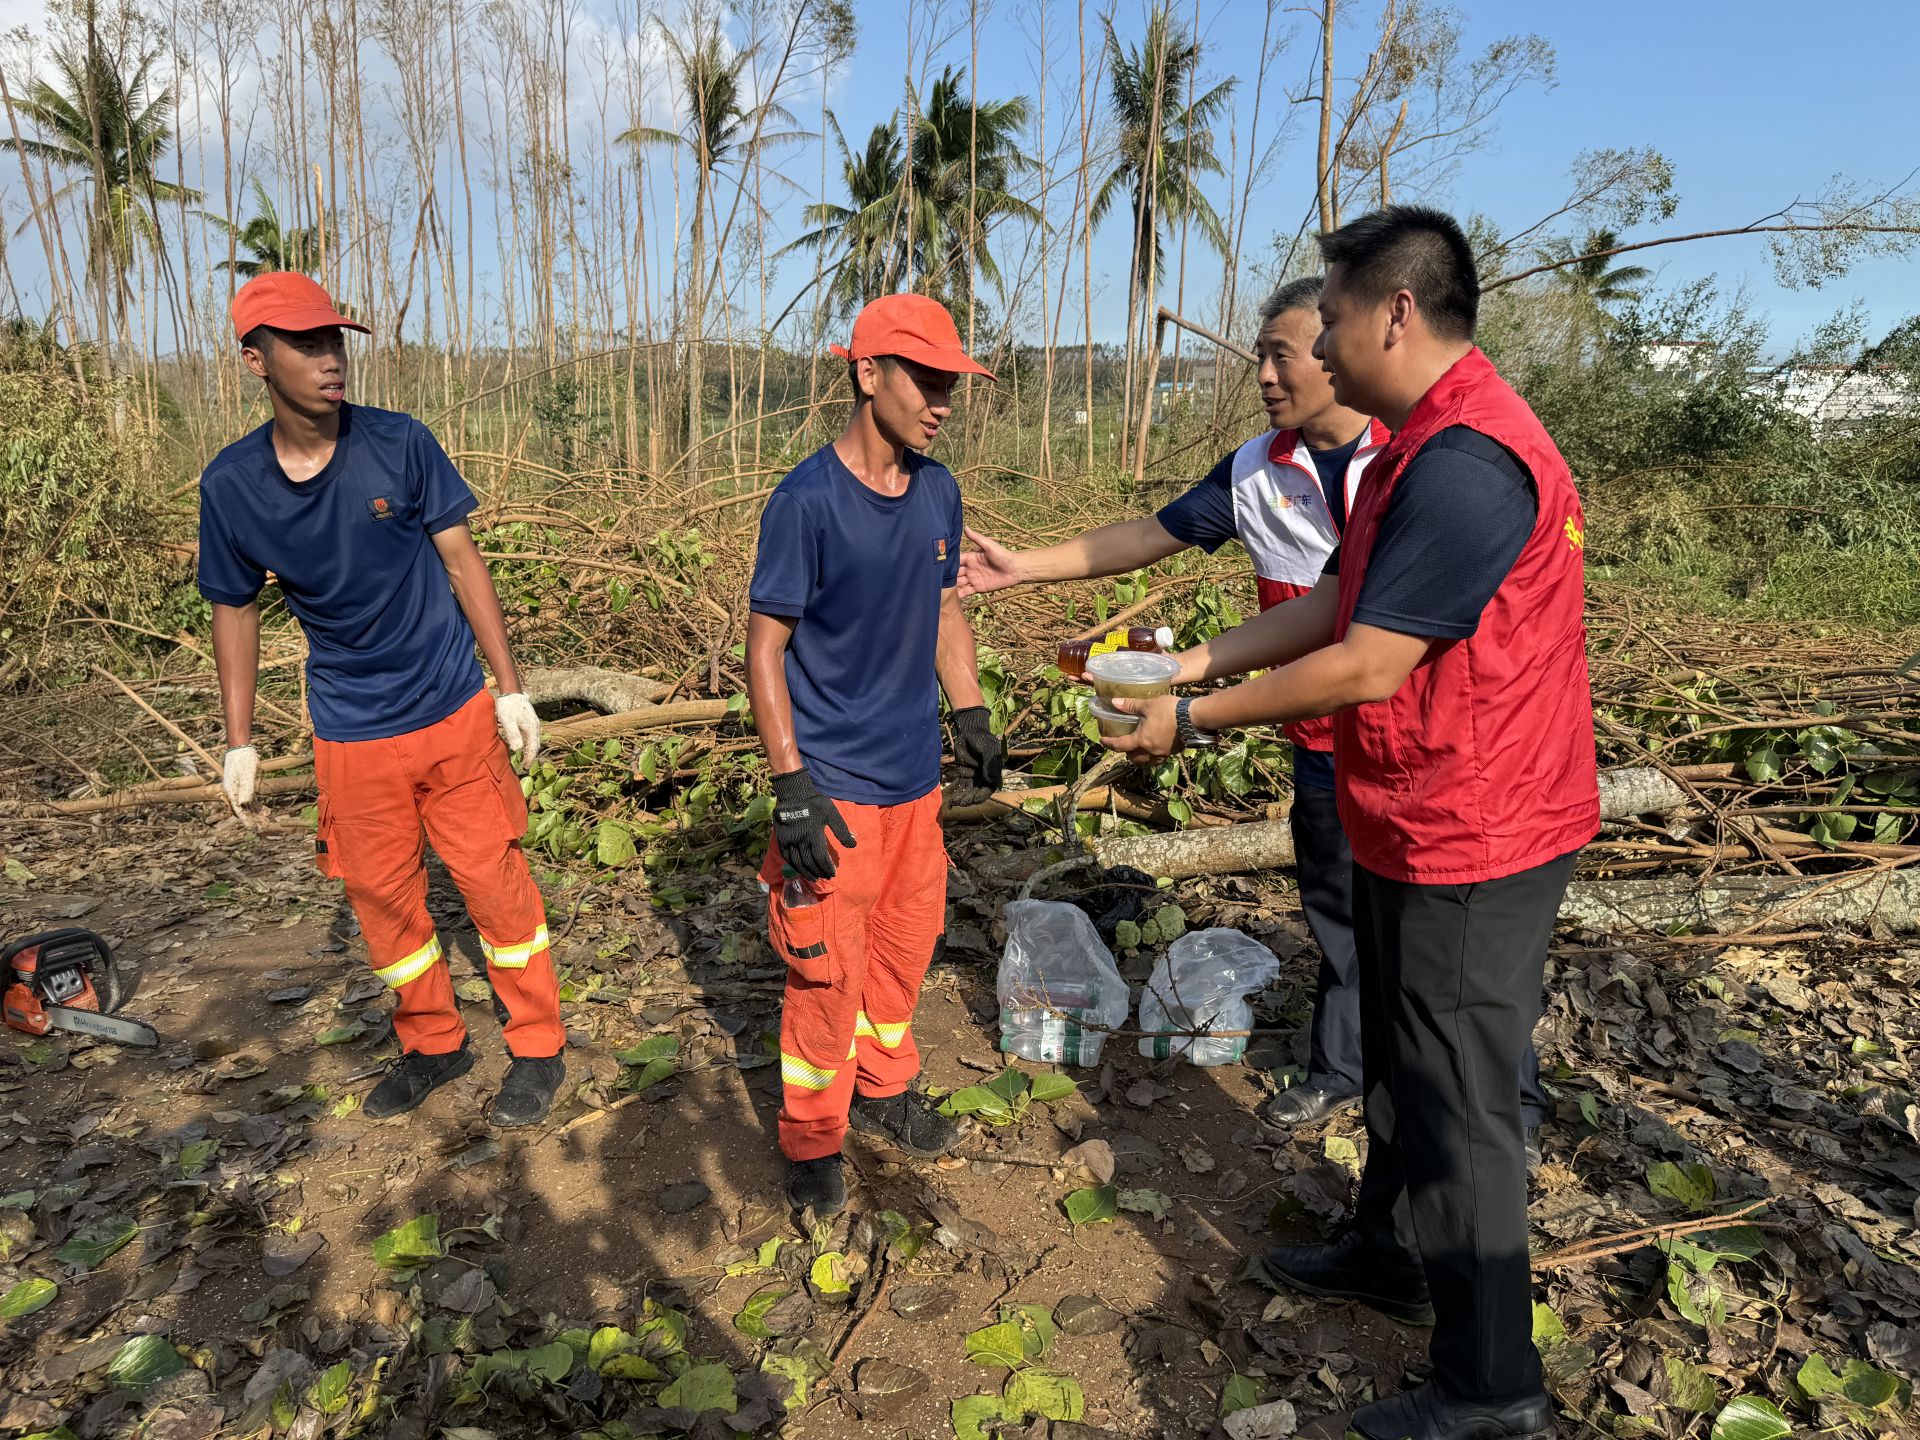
(991, 567)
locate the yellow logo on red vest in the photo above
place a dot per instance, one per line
(1576, 537)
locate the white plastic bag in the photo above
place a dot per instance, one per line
(1054, 978)
(1200, 984)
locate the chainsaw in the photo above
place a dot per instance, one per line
(66, 980)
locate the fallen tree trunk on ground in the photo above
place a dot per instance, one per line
(1268, 844)
(608, 691)
(1757, 904)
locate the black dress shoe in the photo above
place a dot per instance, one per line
(1426, 1412)
(1346, 1269)
(817, 1185)
(412, 1078)
(527, 1093)
(1306, 1105)
(909, 1120)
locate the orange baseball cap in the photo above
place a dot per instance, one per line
(287, 300)
(914, 327)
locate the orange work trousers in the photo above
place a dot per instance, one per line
(855, 963)
(453, 778)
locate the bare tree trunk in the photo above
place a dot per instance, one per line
(1325, 163)
(1086, 234)
(59, 293)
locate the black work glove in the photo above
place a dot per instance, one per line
(801, 816)
(979, 754)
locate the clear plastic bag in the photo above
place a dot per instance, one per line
(1200, 984)
(1056, 977)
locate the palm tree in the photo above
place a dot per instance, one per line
(115, 131)
(269, 245)
(964, 159)
(719, 129)
(1588, 273)
(860, 232)
(927, 229)
(1163, 146)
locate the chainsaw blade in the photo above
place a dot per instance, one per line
(102, 1027)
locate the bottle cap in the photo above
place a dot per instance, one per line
(1133, 667)
(1163, 637)
(787, 872)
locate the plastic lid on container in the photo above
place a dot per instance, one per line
(1133, 667)
(1102, 709)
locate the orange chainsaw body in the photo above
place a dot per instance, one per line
(24, 1005)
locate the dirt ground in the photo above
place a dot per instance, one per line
(247, 959)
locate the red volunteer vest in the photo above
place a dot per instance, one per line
(1482, 764)
(1285, 523)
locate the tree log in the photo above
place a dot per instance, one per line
(1268, 844)
(608, 691)
(645, 717)
(1751, 903)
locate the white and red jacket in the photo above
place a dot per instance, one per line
(1283, 519)
(1482, 764)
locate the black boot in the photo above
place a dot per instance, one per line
(1426, 1412)
(412, 1078)
(908, 1120)
(527, 1092)
(1346, 1269)
(1306, 1105)
(817, 1185)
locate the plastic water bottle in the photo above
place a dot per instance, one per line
(1053, 1038)
(798, 892)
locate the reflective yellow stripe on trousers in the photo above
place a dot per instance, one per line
(888, 1033)
(413, 966)
(514, 957)
(795, 1071)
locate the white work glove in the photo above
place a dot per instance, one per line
(519, 725)
(239, 768)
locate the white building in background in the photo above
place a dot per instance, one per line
(1841, 396)
(1823, 395)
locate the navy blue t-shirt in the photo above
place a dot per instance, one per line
(1457, 520)
(388, 649)
(1203, 516)
(862, 574)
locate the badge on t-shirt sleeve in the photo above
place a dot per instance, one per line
(380, 508)
(940, 549)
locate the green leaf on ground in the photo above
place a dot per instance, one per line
(1145, 1202)
(752, 1319)
(704, 1387)
(408, 1246)
(1037, 1330)
(972, 1413)
(1049, 1088)
(1547, 1329)
(1342, 1151)
(142, 1363)
(329, 1392)
(1691, 1185)
(195, 1157)
(27, 1297)
(550, 1362)
(1239, 1393)
(1010, 1084)
(341, 1034)
(829, 1274)
(999, 1344)
(89, 1247)
(648, 1075)
(613, 844)
(1690, 1387)
(1041, 1392)
(762, 1260)
(654, 1047)
(1093, 1206)
(1751, 1418)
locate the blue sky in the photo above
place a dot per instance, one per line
(1755, 104)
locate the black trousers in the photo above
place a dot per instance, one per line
(1450, 976)
(1324, 865)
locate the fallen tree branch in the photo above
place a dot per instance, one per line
(608, 691)
(1599, 1247)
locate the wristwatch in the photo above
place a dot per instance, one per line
(1190, 734)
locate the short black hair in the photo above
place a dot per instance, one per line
(1413, 248)
(256, 338)
(887, 363)
(1300, 294)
